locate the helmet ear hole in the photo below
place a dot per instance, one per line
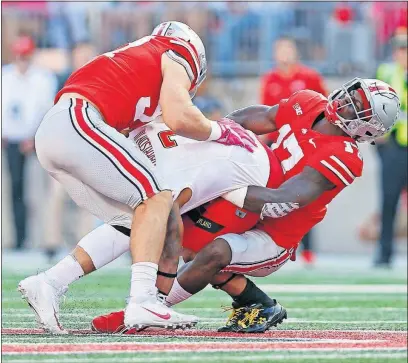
(368, 133)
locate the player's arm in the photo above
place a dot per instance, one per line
(260, 119)
(179, 113)
(185, 119)
(296, 192)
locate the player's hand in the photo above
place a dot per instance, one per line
(234, 134)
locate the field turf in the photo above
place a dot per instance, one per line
(335, 314)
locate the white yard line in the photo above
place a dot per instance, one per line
(337, 353)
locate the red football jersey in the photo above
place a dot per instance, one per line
(125, 83)
(297, 145)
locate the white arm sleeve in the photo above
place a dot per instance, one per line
(278, 210)
(236, 197)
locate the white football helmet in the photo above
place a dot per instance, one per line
(179, 30)
(381, 109)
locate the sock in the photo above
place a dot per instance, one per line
(64, 272)
(177, 294)
(143, 281)
(252, 294)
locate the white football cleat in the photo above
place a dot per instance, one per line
(154, 313)
(44, 300)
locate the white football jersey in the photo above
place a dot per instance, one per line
(209, 169)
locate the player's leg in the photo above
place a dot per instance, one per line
(96, 249)
(114, 322)
(394, 179)
(74, 141)
(172, 251)
(252, 253)
(253, 310)
(109, 163)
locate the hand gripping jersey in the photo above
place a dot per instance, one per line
(209, 169)
(296, 146)
(125, 83)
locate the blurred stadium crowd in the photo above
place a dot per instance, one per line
(333, 36)
(43, 42)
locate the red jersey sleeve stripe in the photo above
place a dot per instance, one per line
(335, 171)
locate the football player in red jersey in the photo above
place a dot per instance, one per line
(80, 142)
(316, 146)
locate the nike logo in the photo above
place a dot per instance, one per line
(312, 142)
(165, 317)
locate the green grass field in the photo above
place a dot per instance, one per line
(333, 316)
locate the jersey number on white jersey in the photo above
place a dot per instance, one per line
(166, 139)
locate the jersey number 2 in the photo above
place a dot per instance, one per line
(166, 139)
(291, 145)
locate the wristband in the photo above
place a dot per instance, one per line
(215, 131)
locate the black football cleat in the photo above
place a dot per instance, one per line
(232, 323)
(255, 318)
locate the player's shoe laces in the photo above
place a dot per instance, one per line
(256, 318)
(232, 323)
(153, 312)
(44, 300)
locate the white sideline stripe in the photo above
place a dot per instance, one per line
(190, 343)
(224, 358)
(185, 350)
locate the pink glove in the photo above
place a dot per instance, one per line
(234, 134)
